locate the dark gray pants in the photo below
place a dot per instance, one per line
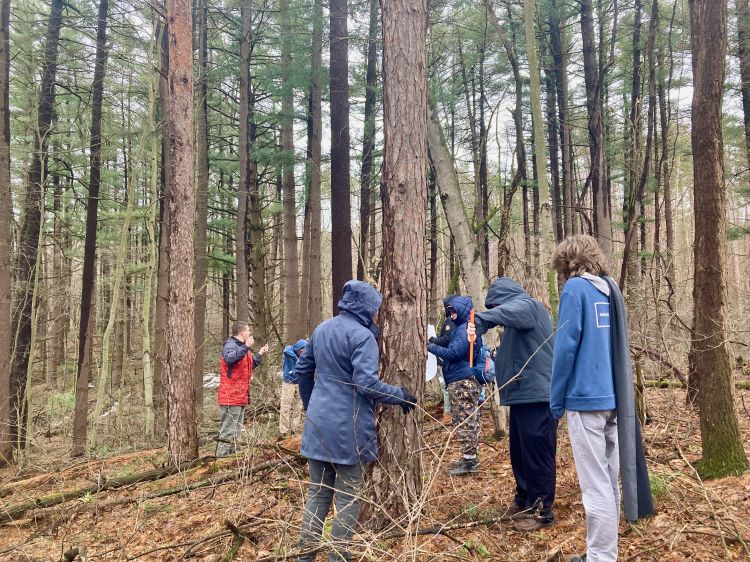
(327, 479)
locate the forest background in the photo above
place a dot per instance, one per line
(168, 169)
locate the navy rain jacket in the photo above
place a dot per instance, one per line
(526, 346)
(338, 382)
(455, 355)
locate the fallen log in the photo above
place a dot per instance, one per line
(10, 513)
(205, 483)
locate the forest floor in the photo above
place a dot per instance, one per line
(248, 507)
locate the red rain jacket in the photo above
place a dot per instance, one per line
(235, 373)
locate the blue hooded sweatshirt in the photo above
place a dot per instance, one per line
(455, 355)
(290, 361)
(582, 377)
(338, 382)
(523, 362)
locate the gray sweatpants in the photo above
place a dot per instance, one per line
(593, 436)
(232, 420)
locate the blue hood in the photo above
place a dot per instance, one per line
(360, 300)
(462, 305)
(502, 291)
(301, 344)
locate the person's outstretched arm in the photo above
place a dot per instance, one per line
(518, 314)
(366, 364)
(456, 350)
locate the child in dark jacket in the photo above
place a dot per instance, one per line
(463, 387)
(235, 373)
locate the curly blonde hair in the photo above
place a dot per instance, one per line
(577, 255)
(537, 290)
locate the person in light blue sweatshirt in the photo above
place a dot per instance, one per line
(592, 382)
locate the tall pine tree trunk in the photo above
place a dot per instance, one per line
(293, 328)
(743, 52)
(201, 206)
(80, 416)
(240, 232)
(31, 226)
(6, 238)
(368, 143)
(341, 227)
(182, 434)
(397, 477)
(710, 369)
(161, 366)
(596, 180)
(314, 305)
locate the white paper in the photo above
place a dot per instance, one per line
(431, 359)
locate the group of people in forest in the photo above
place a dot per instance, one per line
(582, 368)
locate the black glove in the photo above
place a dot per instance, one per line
(432, 339)
(409, 401)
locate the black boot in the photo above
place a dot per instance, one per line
(464, 467)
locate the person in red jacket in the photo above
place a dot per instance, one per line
(235, 373)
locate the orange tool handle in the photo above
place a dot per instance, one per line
(471, 340)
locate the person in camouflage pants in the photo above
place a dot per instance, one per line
(463, 386)
(464, 395)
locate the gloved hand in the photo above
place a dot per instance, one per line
(431, 339)
(409, 401)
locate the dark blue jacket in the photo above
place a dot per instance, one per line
(455, 355)
(526, 346)
(290, 360)
(339, 385)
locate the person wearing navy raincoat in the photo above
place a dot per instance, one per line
(339, 387)
(461, 379)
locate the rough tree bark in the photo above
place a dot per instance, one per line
(28, 238)
(743, 52)
(293, 327)
(602, 227)
(161, 366)
(240, 231)
(6, 238)
(341, 221)
(469, 252)
(559, 46)
(397, 477)
(201, 204)
(314, 305)
(710, 377)
(80, 416)
(368, 142)
(182, 434)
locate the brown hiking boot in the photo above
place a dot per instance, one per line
(513, 509)
(530, 525)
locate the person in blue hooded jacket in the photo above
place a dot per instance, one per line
(523, 366)
(339, 386)
(463, 387)
(290, 409)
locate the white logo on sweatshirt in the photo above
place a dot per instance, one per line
(601, 310)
